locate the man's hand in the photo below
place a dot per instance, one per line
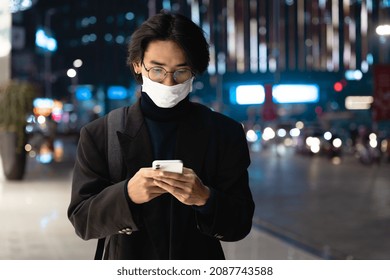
(142, 187)
(186, 187)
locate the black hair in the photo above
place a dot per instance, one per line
(167, 26)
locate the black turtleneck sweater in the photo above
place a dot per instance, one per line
(162, 124)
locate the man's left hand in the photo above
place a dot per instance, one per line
(186, 187)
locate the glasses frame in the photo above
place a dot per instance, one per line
(167, 72)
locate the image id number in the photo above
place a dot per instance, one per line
(237, 270)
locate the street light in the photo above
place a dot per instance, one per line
(47, 61)
(71, 73)
(77, 63)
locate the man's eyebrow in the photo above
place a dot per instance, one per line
(163, 64)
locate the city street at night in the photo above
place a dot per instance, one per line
(299, 89)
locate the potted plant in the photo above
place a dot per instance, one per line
(16, 102)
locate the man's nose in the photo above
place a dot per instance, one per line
(169, 80)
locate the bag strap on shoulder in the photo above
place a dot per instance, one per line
(115, 121)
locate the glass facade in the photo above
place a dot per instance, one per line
(290, 35)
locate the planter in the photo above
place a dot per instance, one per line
(13, 157)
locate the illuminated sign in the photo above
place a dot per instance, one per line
(358, 102)
(43, 106)
(247, 94)
(117, 92)
(83, 93)
(353, 75)
(5, 29)
(383, 30)
(5, 41)
(43, 103)
(291, 93)
(19, 5)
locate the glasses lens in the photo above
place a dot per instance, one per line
(182, 75)
(157, 74)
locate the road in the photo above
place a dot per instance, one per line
(335, 211)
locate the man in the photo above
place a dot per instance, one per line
(154, 214)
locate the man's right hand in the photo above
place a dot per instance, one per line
(141, 188)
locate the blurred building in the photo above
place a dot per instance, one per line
(264, 41)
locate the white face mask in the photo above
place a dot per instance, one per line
(166, 96)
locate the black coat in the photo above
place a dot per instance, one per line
(211, 144)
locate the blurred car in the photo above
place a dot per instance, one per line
(314, 140)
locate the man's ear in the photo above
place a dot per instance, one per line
(137, 67)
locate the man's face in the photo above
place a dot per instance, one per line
(164, 54)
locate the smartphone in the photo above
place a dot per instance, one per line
(175, 166)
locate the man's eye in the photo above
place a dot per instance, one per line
(158, 71)
(183, 72)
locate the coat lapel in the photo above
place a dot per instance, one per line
(135, 141)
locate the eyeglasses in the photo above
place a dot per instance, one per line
(158, 74)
